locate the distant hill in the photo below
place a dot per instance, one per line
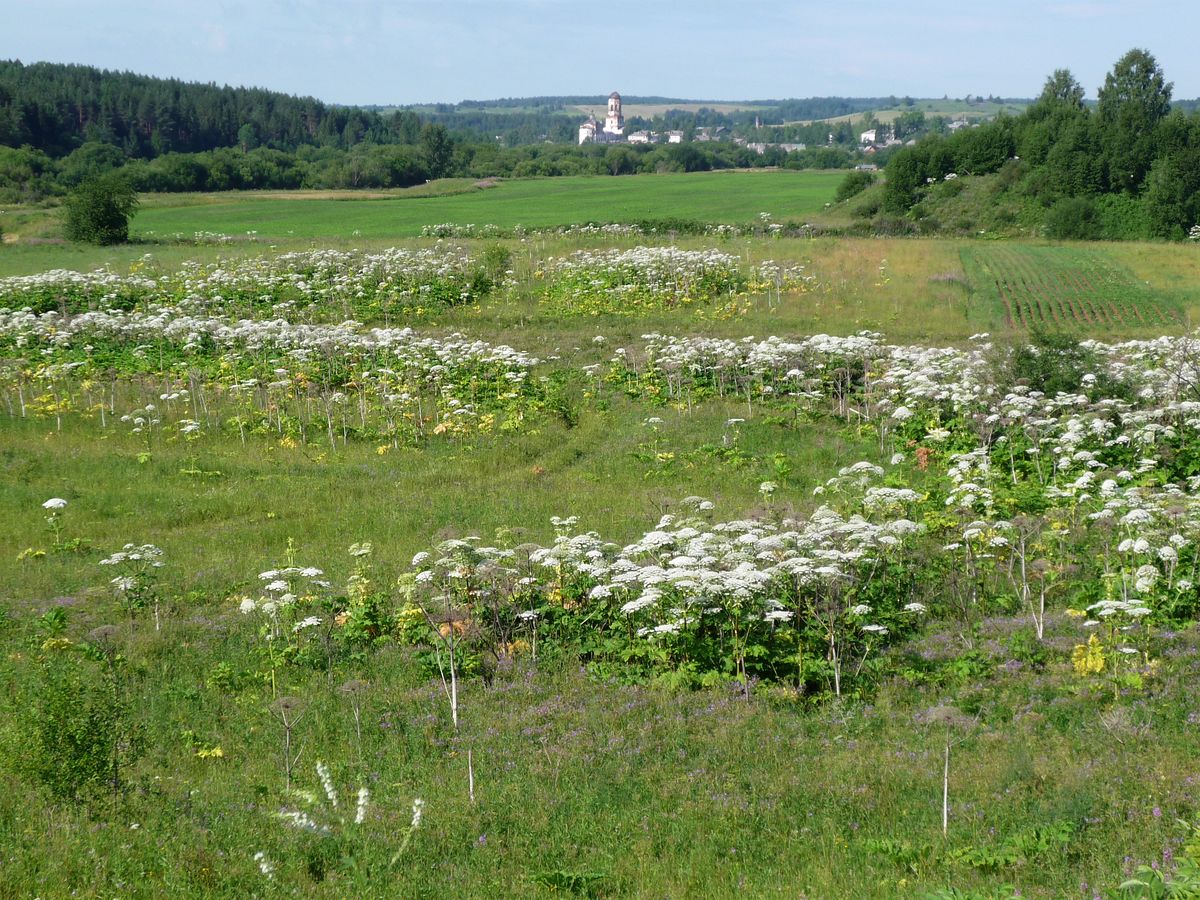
(974, 108)
(57, 108)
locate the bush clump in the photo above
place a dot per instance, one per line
(853, 184)
(1074, 219)
(98, 211)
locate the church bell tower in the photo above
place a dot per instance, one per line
(614, 122)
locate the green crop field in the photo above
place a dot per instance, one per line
(1066, 288)
(537, 203)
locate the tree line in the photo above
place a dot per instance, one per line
(1127, 166)
(29, 175)
(57, 108)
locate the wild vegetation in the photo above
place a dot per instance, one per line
(584, 563)
(1123, 169)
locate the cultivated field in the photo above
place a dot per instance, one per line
(1061, 288)
(711, 197)
(947, 108)
(650, 110)
(593, 562)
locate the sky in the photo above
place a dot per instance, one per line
(419, 51)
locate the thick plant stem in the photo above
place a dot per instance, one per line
(946, 792)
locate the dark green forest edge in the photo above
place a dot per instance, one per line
(1126, 169)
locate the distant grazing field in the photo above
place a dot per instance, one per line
(649, 110)
(936, 108)
(538, 203)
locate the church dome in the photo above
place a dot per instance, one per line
(614, 96)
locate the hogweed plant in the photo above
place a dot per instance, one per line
(54, 515)
(951, 727)
(293, 607)
(289, 711)
(448, 588)
(136, 582)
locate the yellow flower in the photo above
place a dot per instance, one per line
(211, 752)
(1088, 660)
(516, 648)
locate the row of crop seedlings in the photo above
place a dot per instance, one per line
(1037, 294)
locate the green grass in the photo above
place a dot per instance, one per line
(633, 790)
(233, 521)
(946, 108)
(581, 782)
(735, 197)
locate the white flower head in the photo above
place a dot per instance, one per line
(360, 810)
(327, 784)
(54, 504)
(265, 865)
(310, 622)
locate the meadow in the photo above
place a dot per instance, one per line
(534, 203)
(950, 109)
(596, 563)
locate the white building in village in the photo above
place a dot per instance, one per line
(613, 131)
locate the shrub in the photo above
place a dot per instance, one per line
(1124, 218)
(1074, 218)
(1051, 363)
(893, 226)
(98, 211)
(853, 184)
(76, 733)
(867, 207)
(1054, 362)
(951, 188)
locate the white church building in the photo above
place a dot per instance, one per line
(613, 131)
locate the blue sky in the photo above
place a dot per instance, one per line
(409, 51)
